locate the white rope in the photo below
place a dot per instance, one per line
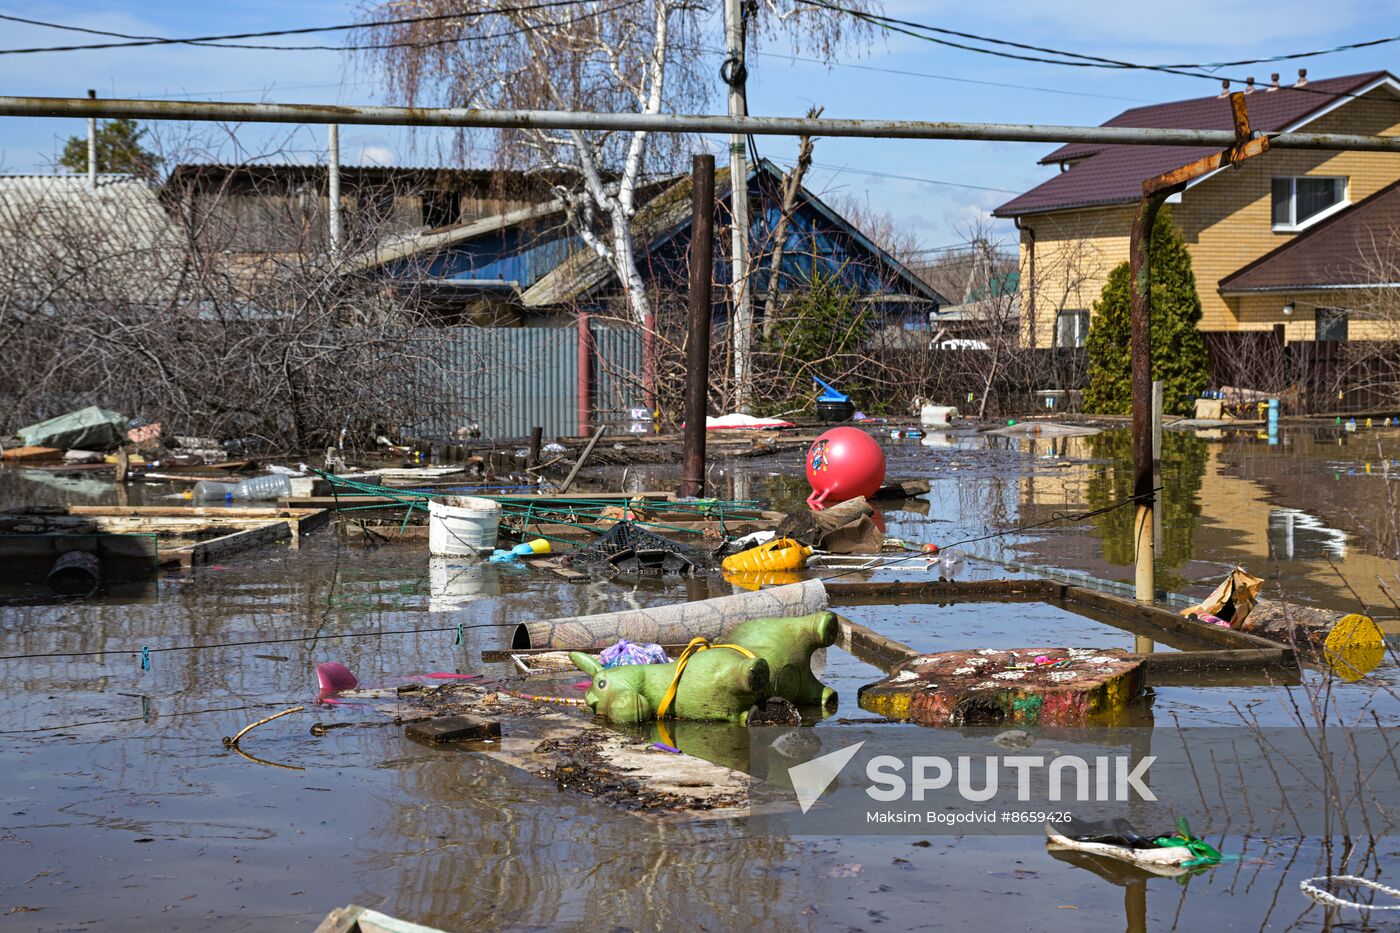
(1331, 900)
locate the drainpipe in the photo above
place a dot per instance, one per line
(333, 165)
(1030, 271)
(92, 146)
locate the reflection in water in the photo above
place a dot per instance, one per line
(1182, 467)
(1296, 535)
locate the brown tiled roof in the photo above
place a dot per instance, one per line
(1113, 174)
(1333, 253)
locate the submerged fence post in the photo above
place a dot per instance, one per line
(697, 358)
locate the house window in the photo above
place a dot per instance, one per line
(1071, 328)
(1305, 199)
(1331, 324)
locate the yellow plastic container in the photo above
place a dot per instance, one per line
(778, 554)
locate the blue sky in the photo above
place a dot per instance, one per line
(950, 84)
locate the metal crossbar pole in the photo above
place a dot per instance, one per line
(230, 111)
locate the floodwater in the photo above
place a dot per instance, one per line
(122, 810)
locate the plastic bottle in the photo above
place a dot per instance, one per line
(210, 491)
(255, 487)
(264, 487)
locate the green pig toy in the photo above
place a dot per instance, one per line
(758, 659)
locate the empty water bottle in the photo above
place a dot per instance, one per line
(210, 491)
(264, 487)
(255, 487)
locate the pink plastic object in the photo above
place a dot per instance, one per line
(332, 677)
(844, 463)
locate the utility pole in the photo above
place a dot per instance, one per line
(735, 74)
(1155, 192)
(333, 164)
(92, 146)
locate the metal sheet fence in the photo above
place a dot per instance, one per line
(510, 379)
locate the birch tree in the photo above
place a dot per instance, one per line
(618, 56)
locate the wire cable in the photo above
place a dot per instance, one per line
(1075, 59)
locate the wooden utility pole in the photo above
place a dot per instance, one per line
(697, 355)
(735, 75)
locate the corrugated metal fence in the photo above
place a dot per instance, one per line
(510, 379)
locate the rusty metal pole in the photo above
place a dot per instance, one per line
(1155, 192)
(1139, 259)
(697, 368)
(585, 372)
(536, 439)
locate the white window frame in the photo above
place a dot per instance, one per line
(1294, 226)
(1080, 314)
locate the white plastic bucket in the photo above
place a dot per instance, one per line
(462, 525)
(937, 415)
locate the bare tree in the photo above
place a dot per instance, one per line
(792, 185)
(880, 227)
(622, 56)
(223, 315)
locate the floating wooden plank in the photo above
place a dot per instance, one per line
(21, 454)
(206, 551)
(870, 646)
(1149, 621)
(1125, 609)
(232, 529)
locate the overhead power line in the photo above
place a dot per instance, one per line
(876, 174)
(1072, 59)
(924, 74)
(225, 41)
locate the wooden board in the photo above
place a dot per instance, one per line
(158, 518)
(1149, 621)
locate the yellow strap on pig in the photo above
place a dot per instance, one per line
(696, 645)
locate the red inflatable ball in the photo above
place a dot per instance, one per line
(844, 463)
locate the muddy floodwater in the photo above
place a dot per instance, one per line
(122, 810)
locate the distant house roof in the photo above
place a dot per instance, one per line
(1100, 174)
(1353, 248)
(481, 182)
(667, 216)
(118, 231)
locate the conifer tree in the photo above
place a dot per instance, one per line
(1178, 349)
(119, 149)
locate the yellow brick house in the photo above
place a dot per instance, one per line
(1291, 238)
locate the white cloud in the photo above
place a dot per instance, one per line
(376, 155)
